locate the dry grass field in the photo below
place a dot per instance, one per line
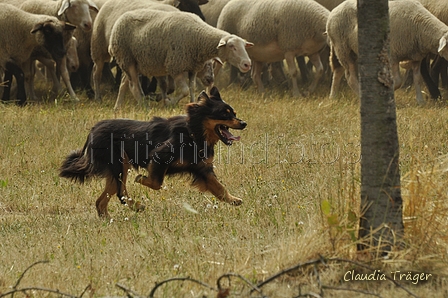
(296, 168)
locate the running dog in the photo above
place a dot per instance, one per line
(163, 146)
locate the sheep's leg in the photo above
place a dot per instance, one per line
(124, 86)
(256, 75)
(51, 71)
(7, 79)
(162, 81)
(352, 76)
(216, 68)
(293, 72)
(319, 68)
(61, 65)
(14, 70)
(418, 82)
(338, 73)
(396, 75)
(180, 81)
(97, 74)
(28, 72)
(134, 84)
(192, 81)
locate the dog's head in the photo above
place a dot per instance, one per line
(212, 117)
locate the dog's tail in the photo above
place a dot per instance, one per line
(76, 166)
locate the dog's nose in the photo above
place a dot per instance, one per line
(243, 124)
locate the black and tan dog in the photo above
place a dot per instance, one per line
(163, 146)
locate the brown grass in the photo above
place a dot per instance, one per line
(296, 168)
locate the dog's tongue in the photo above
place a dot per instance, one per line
(230, 136)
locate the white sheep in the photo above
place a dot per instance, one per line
(414, 33)
(110, 11)
(438, 8)
(22, 33)
(76, 12)
(212, 10)
(15, 3)
(170, 43)
(439, 66)
(281, 29)
(81, 79)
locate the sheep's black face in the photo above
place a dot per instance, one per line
(191, 6)
(52, 36)
(54, 42)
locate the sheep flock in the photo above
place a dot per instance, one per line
(157, 49)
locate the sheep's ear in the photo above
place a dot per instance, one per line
(222, 43)
(217, 60)
(65, 4)
(68, 26)
(202, 2)
(176, 3)
(37, 27)
(249, 44)
(442, 44)
(93, 6)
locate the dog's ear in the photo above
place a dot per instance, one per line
(203, 98)
(214, 94)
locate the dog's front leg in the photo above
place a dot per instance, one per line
(211, 184)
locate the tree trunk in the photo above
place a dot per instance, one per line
(381, 225)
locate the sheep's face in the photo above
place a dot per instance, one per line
(50, 34)
(233, 49)
(72, 55)
(191, 6)
(206, 74)
(77, 12)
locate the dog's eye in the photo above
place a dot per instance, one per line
(230, 113)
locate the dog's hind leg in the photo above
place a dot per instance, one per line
(103, 200)
(156, 173)
(151, 182)
(121, 185)
(211, 184)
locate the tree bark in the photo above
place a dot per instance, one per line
(381, 225)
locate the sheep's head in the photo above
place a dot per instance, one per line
(50, 34)
(77, 12)
(233, 49)
(191, 6)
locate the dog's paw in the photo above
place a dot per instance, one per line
(235, 201)
(139, 207)
(139, 178)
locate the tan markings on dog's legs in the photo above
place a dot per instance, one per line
(134, 205)
(147, 181)
(103, 200)
(212, 185)
(153, 181)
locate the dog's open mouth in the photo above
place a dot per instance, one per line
(225, 135)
